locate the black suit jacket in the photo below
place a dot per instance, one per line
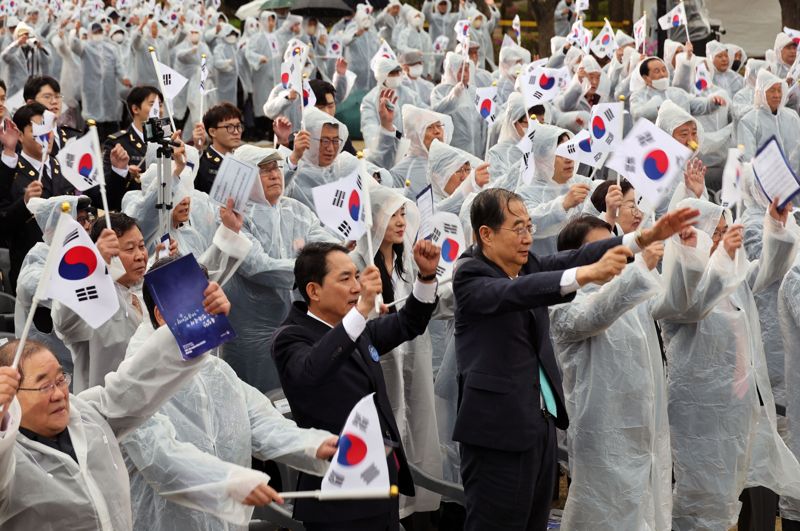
(210, 161)
(63, 133)
(117, 186)
(502, 335)
(324, 374)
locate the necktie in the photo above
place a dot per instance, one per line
(547, 393)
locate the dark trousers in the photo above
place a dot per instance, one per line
(790, 525)
(386, 522)
(510, 491)
(759, 506)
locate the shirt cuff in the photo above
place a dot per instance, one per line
(290, 165)
(425, 291)
(387, 132)
(10, 161)
(122, 172)
(629, 241)
(569, 281)
(354, 324)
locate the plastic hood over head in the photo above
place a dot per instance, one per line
(453, 62)
(623, 39)
(556, 44)
(782, 40)
(251, 27)
(751, 70)
(764, 81)
(226, 30)
(671, 116)
(544, 151)
(443, 162)
(315, 119)
(48, 211)
(733, 49)
(590, 65)
(573, 59)
(515, 111)
(637, 82)
(510, 56)
(709, 214)
(671, 48)
(385, 202)
(416, 120)
(383, 67)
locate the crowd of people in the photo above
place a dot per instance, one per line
(652, 344)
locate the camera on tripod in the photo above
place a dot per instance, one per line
(157, 131)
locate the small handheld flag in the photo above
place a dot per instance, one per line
(640, 32)
(543, 84)
(732, 179)
(340, 206)
(675, 18)
(449, 235)
(486, 103)
(462, 30)
(79, 163)
(517, 27)
(440, 44)
(651, 160)
(606, 126)
(702, 78)
(604, 44)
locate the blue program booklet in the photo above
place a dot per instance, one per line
(177, 289)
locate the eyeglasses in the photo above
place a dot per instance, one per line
(269, 168)
(231, 128)
(633, 208)
(325, 142)
(62, 382)
(83, 220)
(521, 232)
(436, 126)
(463, 171)
(51, 97)
(719, 233)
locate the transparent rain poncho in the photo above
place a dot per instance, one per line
(511, 60)
(411, 172)
(309, 173)
(743, 100)
(731, 82)
(457, 101)
(504, 154)
(408, 369)
(261, 290)
(618, 439)
(190, 463)
(544, 197)
(645, 100)
(760, 124)
(721, 408)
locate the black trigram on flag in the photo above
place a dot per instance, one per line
(609, 114)
(597, 156)
(360, 422)
(71, 236)
(644, 139)
(70, 160)
(439, 271)
(336, 479)
(167, 79)
(538, 94)
(338, 198)
(86, 294)
(436, 234)
(570, 148)
(345, 228)
(450, 228)
(370, 474)
(609, 138)
(630, 165)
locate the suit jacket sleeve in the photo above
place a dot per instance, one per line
(387, 333)
(585, 255)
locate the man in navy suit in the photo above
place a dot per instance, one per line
(327, 356)
(510, 396)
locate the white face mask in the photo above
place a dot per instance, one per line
(97, 36)
(194, 38)
(417, 22)
(118, 37)
(393, 82)
(415, 71)
(661, 84)
(230, 39)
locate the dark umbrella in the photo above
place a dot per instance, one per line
(324, 9)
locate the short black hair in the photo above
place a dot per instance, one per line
(36, 83)
(573, 234)
(219, 113)
(311, 264)
(138, 94)
(489, 208)
(320, 89)
(148, 297)
(120, 224)
(644, 68)
(24, 115)
(3, 85)
(537, 110)
(599, 195)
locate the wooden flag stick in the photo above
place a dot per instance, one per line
(349, 494)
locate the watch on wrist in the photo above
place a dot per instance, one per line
(426, 278)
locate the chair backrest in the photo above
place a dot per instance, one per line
(7, 303)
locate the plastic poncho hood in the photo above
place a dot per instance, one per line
(443, 162)
(416, 120)
(315, 120)
(764, 81)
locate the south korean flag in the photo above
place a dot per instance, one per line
(449, 235)
(341, 206)
(606, 126)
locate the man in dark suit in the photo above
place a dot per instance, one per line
(47, 91)
(327, 356)
(510, 396)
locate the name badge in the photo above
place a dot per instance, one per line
(373, 352)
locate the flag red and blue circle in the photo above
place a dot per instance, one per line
(85, 165)
(605, 40)
(354, 205)
(285, 79)
(546, 82)
(77, 263)
(701, 84)
(598, 127)
(450, 250)
(335, 46)
(676, 21)
(486, 108)
(656, 164)
(585, 145)
(297, 50)
(352, 450)
(305, 98)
